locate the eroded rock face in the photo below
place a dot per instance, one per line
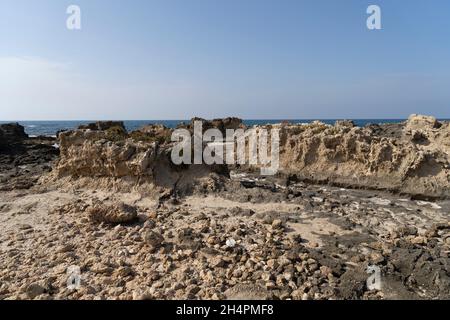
(361, 157)
(140, 157)
(88, 153)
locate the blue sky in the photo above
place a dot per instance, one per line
(256, 59)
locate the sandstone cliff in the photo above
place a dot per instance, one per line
(411, 158)
(139, 158)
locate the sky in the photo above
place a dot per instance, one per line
(254, 59)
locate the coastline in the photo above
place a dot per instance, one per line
(110, 202)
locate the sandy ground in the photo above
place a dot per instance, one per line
(316, 245)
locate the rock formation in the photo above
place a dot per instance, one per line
(411, 158)
(259, 238)
(23, 160)
(369, 158)
(11, 133)
(143, 156)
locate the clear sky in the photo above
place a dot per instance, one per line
(256, 59)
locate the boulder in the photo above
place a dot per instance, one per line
(113, 214)
(421, 122)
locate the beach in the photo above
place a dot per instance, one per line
(109, 203)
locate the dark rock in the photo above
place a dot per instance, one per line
(103, 125)
(12, 133)
(353, 284)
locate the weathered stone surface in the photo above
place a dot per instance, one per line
(421, 122)
(11, 133)
(247, 292)
(115, 214)
(103, 125)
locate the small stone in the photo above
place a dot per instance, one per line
(153, 239)
(313, 244)
(326, 271)
(237, 273)
(65, 248)
(192, 290)
(231, 243)
(271, 285)
(34, 290)
(277, 224)
(142, 295)
(267, 276)
(217, 262)
(124, 271)
(272, 263)
(376, 258)
(101, 268)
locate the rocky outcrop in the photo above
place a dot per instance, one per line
(11, 133)
(411, 158)
(94, 154)
(260, 238)
(103, 125)
(141, 157)
(420, 122)
(361, 157)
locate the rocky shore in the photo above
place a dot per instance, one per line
(111, 203)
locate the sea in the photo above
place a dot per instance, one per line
(50, 128)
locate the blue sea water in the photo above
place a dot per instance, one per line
(49, 128)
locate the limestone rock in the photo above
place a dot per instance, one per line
(34, 290)
(421, 122)
(153, 239)
(115, 214)
(247, 292)
(11, 133)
